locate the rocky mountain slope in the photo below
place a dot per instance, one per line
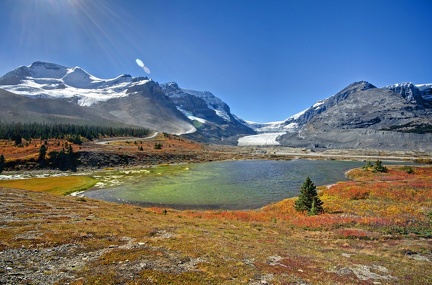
(122, 100)
(210, 115)
(364, 116)
(17, 108)
(359, 116)
(419, 94)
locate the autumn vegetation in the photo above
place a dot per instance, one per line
(375, 228)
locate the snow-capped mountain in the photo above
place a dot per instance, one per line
(134, 101)
(420, 94)
(48, 80)
(121, 100)
(426, 91)
(197, 105)
(360, 115)
(211, 116)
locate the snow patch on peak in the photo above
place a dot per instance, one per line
(296, 116)
(41, 69)
(318, 104)
(213, 102)
(221, 109)
(78, 77)
(172, 84)
(409, 91)
(42, 79)
(425, 90)
(424, 86)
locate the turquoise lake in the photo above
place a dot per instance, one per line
(226, 185)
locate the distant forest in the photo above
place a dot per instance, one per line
(18, 131)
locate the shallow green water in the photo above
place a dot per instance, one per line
(223, 185)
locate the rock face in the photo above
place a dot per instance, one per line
(211, 116)
(323, 105)
(412, 93)
(363, 116)
(425, 91)
(147, 106)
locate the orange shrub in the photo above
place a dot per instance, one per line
(355, 234)
(349, 190)
(398, 204)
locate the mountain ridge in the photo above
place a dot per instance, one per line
(353, 117)
(127, 99)
(359, 116)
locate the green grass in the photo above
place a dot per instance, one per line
(55, 185)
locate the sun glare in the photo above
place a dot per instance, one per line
(86, 28)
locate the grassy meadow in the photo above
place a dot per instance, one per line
(61, 185)
(376, 229)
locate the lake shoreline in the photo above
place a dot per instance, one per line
(262, 182)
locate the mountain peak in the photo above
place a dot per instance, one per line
(409, 92)
(172, 85)
(40, 69)
(360, 85)
(46, 65)
(49, 80)
(77, 77)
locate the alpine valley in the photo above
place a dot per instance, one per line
(361, 116)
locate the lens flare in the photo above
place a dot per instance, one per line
(141, 64)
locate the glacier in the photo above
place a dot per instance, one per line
(49, 80)
(263, 139)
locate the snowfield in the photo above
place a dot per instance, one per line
(260, 139)
(55, 81)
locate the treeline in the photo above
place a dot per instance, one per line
(18, 131)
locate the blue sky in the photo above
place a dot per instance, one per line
(266, 59)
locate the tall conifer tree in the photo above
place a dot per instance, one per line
(2, 163)
(308, 200)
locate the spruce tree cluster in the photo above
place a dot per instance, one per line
(73, 133)
(64, 160)
(377, 167)
(308, 201)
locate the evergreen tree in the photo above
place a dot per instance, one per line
(17, 139)
(64, 159)
(2, 163)
(157, 146)
(368, 165)
(379, 167)
(42, 153)
(308, 200)
(18, 131)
